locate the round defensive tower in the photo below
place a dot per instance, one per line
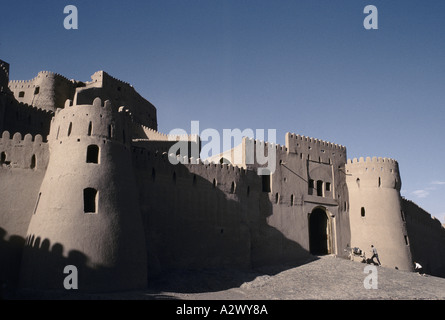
(376, 215)
(87, 211)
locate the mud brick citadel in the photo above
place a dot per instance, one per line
(85, 180)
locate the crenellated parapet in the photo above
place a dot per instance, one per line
(315, 149)
(24, 118)
(107, 87)
(100, 119)
(374, 172)
(23, 152)
(48, 90)
(154, 135)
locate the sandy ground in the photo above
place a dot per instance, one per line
(324, 278)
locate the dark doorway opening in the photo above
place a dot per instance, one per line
(319, 232)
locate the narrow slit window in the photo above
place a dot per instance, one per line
(33, 162)
(90, 128)
(232, 187)
(37, 202)
(93, 154)
(320, 188)
(362, 212)
(70, 128)
(277, 198)
(90, 200)
(292, 200)
(37, 90)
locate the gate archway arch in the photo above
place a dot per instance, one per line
(320, 231)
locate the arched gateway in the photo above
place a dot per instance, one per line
(320, 235)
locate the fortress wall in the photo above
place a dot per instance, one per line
(376, 212)
(20, 117)
(210, 215)
(20, 180)
(119, 93)
(46, 91)
(427, 238)
(202, 203)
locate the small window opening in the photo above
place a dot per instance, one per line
(93, 154)
(328, 186)
(362, 212)
(89, 200)
(214, 183)
(320, 188)
(90, 128)
(232, 187)
(311, 183)
(380, 182)
(37, 90)
(2, 158)
(265, 180)
(406, 240)
(33, 161)
(291, 200)
(277, 198)
(70, 128)
(21, 94)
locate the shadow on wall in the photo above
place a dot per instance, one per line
(207, 236)
(11, 252)
(201, 238)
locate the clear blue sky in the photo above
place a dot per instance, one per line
(305, 66)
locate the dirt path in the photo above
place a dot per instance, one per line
(326, 278)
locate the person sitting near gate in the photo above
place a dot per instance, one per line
(418, 268)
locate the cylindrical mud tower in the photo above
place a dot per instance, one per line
(87, 211)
